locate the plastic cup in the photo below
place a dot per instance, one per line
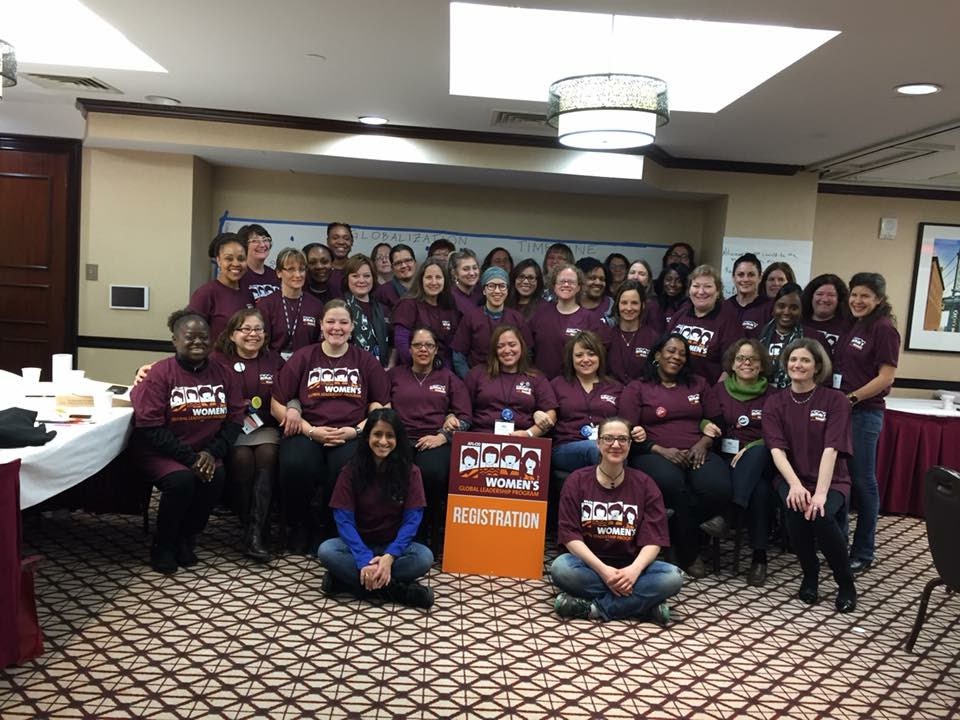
(948, 401)
(102, 405)
(31, 374)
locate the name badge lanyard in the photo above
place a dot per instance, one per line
(587, 430)
(291, 324)
(506, 413)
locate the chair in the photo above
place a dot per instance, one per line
(941, 504)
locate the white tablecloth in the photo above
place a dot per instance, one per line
(917, 406)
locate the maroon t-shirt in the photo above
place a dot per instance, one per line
(472, 337)
(709, 337)
(802, 426)
(577, 408)
(281, 314)
(255, 378)
(424, 405)
(779, 341)
(752, 316)
(260, 285)
(551, 329)
(627, 351)
(859, 354)
(388, 295)
(326, 295)
(192, 405)
(742, 418)
(830, 330)
(522, 395)
(332, 391)
(614, 523)
(410, 313)
(660, 316)
(671, 416)
(378, 517)
(467, 302)
(217, 303)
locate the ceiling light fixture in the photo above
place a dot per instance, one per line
(8, 66)
(161, 100)
(612, 111)
(373, 120)
(918, 89)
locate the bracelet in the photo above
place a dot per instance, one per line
(310, 432)
(530, 433)
(357, 430)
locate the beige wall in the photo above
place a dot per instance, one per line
(845, 242)
(116, 366)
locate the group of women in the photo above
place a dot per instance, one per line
(340, 389)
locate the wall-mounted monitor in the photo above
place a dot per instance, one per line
(129, 297)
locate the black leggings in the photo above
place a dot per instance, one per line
(307, 472)
(824, 531)
(244, 462)
(753, 491)
(185, 504)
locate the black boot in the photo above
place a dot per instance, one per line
(259, 519)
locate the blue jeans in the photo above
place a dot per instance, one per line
(863, 475)
(336, 557)
(658, 582)
(575, 455)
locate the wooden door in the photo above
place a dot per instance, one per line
(39, 192)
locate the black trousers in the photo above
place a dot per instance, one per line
(185, 504)
(434, 466)
(824, 531)
(752, 480)
(306, 474)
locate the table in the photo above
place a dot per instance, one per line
(917, 434)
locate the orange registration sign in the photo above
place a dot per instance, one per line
(497, 505)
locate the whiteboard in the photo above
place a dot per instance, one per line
(289, 233)
(796, 253)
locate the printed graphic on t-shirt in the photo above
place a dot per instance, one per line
(608, 520)
(524, 387)
(698, 338)
(191, 402)
(438, 388)
(309, 321)
(324, 382)
(607, 398)
(857, 342)
(261, 291)
(818, 415)
(266, 378)
(749, 324)
(831, 338)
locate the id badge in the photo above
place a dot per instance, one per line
(837, 379)
(502, 427)
(729, 446)
(251, 423)
(593, 433)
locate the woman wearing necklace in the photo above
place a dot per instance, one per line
(752, 306)
(290, 317)
(526, 288)
(242, 351)
(742, 394)
(432, 404)
(675, 415)
(585, 395)
(807, 429)
(508, 395)
(465, 271)
(554, 322)
(319, 268)
(471, 343)
(629, 339)
(321, 398)
(783, 329)
(259, 280)
(612, 523)
(219, 299)
(825, 308)
(429, 303)
(371, 329)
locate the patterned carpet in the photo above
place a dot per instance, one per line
(230, 639)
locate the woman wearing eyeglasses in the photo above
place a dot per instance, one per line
(291, 316)
(404, 264)
(472, 340)
(260, 280)
(526, 287)
(679, 414)
(613, 524)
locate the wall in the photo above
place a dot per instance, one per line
(845, 242)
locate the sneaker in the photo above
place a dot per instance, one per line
(568, 606)
(661, 614)
(163, 560)
(716, 527)
(186, 557)
(411, 594)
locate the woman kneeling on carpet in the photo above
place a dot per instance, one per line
(378, 504)
(613, 524)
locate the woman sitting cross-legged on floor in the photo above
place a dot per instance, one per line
(613, 524)
(378, 504)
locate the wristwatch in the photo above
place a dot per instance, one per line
(853, 398)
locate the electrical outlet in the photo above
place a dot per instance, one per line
(93, 272)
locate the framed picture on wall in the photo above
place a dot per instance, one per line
(934, 322)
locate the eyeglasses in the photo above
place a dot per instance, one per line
(568, 282)
(423, 346)
(405, 261)
(502, 287)
(746, 358)
(679, 255)
(527, 278)
(615, 439)
(261, 241)
(250, 330)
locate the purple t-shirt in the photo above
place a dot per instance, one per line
(752, 316)
(281, 315)
(467, 302)
(192, 405)
(742, 418)
(778, 341)
(424, 405)
(389, 294)
(330, 292)
(802, 426)
(551, 329)
(709, 337)
(522, 395)
(378, 517)
(859, 354)
(577, 408)
(332, 391)
(410, 313)
(627, 351)
(671, 416)
(830, 330)
(660, 316)
(472, 337)
(260, 285)
(614, 523)
(255, 378)
(217, 303)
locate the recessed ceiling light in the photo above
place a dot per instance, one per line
(373, 120)
(161, 100)
(918, 89)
